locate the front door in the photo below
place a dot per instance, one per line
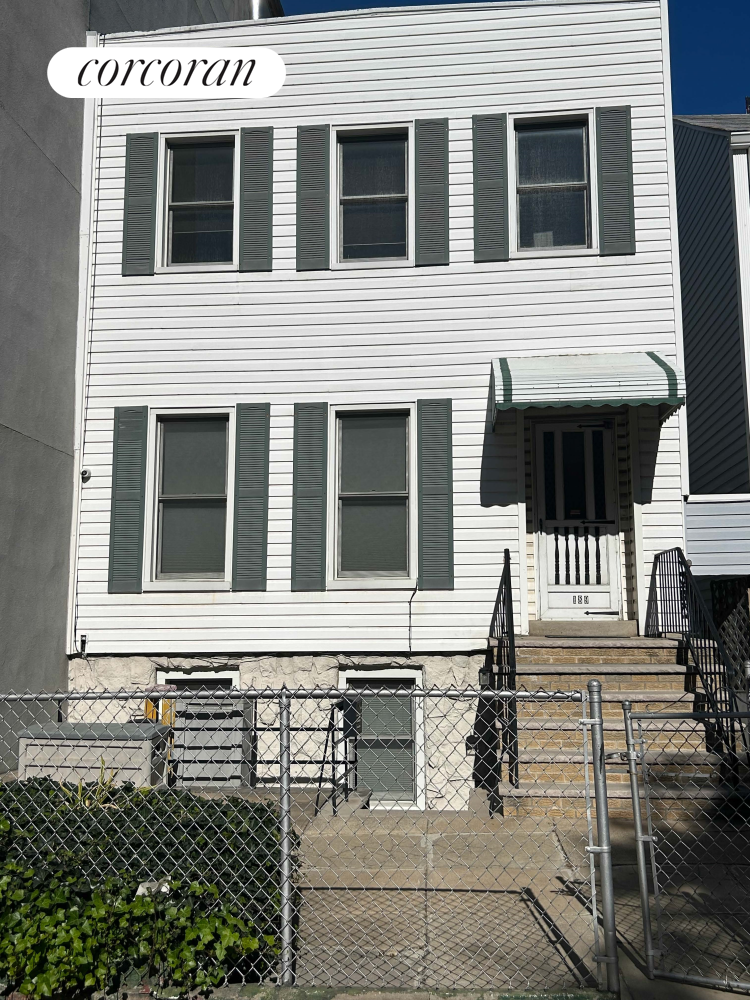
(576, 518)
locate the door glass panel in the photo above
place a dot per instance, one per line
(550, 494)
(574, 475)
(600, 497)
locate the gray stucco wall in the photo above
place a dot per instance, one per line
(40, 166)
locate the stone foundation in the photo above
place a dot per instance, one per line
(101, 673)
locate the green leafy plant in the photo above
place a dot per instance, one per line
(81, 873)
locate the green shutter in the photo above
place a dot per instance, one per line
(251, 496)
(128, 500)
(139, 213)
(256, 199)
(614, 149)
(313, 182)
(490, 147)
(431, 191)
(309, 496)
(435, 470)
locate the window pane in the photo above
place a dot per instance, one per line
(550, 494)
(552, 155)
(203, 172)
(373, 165)
(194, 457)
(552, 219)
(192, 537)
(574, 475)
(373, 453)
(373, 229)
(600, 494)
(374, 535)
(202, 235)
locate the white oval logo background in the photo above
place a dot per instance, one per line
(146, 72)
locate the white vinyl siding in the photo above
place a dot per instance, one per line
(382, 336)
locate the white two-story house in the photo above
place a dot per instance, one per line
(344, 346)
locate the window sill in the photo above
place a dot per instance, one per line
(555, 252)
(371, 583)
(366, 265)
(193, 268)
(177, 586)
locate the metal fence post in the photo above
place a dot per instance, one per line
(604, 848)
(640, 841)
(285, 846)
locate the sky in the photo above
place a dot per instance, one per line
(710, 48)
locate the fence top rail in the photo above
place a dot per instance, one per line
(321, 693)
(697, 716)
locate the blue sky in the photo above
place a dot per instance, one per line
(710, 49)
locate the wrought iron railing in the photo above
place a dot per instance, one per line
(676, 608)
(339, 753)
(498, 674)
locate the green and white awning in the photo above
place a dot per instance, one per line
(642, 379)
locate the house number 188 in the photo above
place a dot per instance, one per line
(580, 599)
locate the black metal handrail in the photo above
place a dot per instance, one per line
(498, 673)
(676, 607)
(344, 768)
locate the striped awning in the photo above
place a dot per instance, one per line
(637, 379)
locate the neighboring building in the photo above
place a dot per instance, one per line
(40, 167)
(346, 345)
(41, 138)
(713, 207)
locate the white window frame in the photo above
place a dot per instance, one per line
(589, 116)
(373, 677)
(164, 175)
(334, 177)
(333, 581)
(150, 528)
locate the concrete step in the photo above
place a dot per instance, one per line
(531, 649)
(344, 807)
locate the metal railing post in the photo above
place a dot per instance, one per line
(640, 840)
(285, 845)
(604, 845)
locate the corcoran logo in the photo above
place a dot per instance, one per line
(142, 72)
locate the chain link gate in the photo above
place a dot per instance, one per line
(378, 835)
(690, 790)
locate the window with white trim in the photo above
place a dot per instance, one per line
(553, 203)
(191, 501)
(200, 202)
(373, 196)
(373, 494)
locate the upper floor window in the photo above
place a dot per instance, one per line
(552, 185)
(373, 196)
(201, 203)
(191, 517)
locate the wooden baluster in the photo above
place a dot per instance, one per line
(586, 570)
(567, 555)
(557, 557)
(578, 557)
(598, 556)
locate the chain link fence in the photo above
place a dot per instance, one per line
(691, 796)
(374, 836)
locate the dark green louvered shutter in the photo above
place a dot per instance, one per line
(309, 494)
(139, 214)
(251, 496)
(431, 191)
(435, 488)
(615, 178)
(128, 500)
(256, 199)
(490, 146)
(313, 182)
